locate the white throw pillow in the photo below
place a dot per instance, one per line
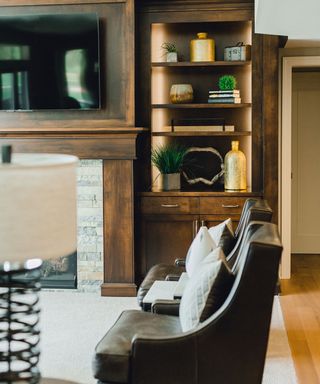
(217, 230)
(206, 290)
(200, 247)
(223, 236)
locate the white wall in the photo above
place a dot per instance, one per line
(293, 18)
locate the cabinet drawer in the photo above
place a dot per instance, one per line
(222, 205)
(169, 205)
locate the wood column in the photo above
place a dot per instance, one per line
(270, 114)
(118, 229)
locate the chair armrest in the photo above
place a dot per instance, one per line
(180, 262)
(172, 277)
(166, 307)
(175, 361)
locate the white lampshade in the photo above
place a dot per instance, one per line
(38, 207)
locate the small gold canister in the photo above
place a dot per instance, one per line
(202, 48)
(235, 173)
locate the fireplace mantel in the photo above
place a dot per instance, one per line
(117, 148)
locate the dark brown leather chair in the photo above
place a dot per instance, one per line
(253, 209)
(227, 348)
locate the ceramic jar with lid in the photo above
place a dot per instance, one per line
(202, 48)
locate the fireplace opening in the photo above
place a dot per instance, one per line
(57, 273)
(83, 269)
(60, 272)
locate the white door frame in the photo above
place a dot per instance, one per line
(288, 63)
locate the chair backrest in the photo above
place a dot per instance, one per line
(230, 346)
(247, 205)
(253, 210)
(232, 343)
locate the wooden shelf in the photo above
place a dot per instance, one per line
(202, 64)
(200, 133)
(202, 193)
(200, 105)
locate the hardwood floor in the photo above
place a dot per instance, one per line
(300, 302)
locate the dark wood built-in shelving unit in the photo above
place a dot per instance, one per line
(201, 105)
(164, 234)
(223, 134)
(201, 64)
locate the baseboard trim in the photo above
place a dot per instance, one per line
(118, 289)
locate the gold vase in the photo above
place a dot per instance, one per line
(202, 48)
(235, 172)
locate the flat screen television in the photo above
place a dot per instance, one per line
(49, 61)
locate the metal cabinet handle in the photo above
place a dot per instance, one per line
(195, 227)
(170, 205)
(230, 206)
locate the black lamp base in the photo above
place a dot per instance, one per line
(19, 320)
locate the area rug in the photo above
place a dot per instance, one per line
(72, 323)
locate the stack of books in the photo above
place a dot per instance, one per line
(225, 97)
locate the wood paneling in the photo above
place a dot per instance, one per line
(118, 227)
(270, 116)
(223, 205)
(116, 19)
(162, 239)
(169, 205)
(257, 131)
(107, 133)
(300, 302)
(197, 9)
(165, 233)
(118, 289)
(88, 147)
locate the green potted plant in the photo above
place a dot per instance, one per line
(169, 159)
(227, 83)
(170, 50)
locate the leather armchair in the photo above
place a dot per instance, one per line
(253, 209)
(229, 347)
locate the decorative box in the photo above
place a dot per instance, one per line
(240, 52)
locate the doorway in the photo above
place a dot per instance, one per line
(289, 138)
(305, 230)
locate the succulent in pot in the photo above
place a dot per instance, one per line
(170, 51)
(227, 83)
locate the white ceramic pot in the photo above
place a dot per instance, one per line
(172, 57)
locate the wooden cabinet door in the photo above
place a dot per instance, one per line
(163, 238)
(212, 220)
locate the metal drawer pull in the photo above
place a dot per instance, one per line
(170, 205)
(230, 206)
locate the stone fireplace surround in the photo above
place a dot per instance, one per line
(90, 225)
(115, 149)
